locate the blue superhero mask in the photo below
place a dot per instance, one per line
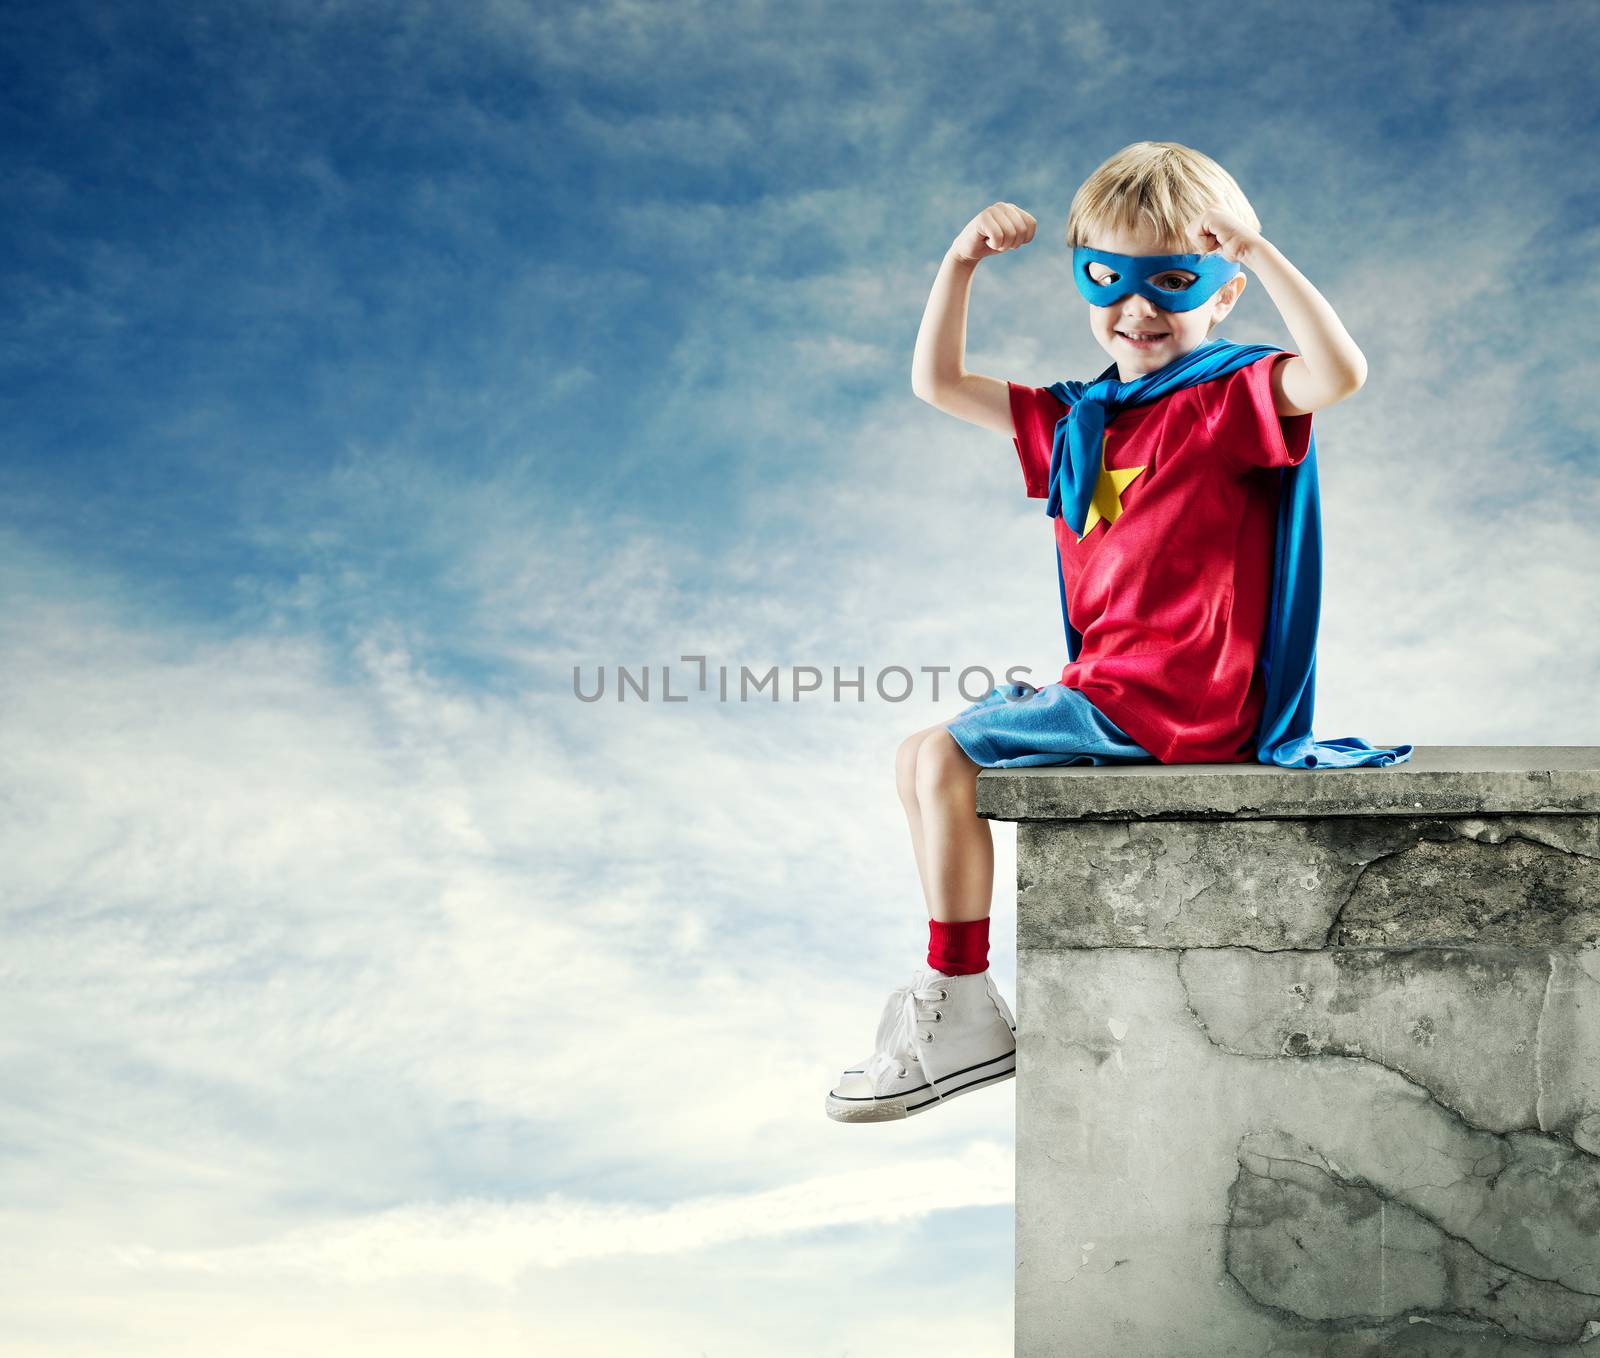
(1134, 273)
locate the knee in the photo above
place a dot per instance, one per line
(943, 766)
(905, 767)
(908, 758)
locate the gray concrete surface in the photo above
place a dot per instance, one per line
(1451, 780)
(1310, 1082)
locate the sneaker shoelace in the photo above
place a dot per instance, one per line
(896, 1046)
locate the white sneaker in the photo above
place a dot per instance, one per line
(939, 1037)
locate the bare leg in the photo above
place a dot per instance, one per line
(955, 848)
(905, 778)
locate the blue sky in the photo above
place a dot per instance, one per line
(368, 367)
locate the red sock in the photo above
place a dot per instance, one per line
(959, 949)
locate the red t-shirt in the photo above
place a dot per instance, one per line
(1170, 586)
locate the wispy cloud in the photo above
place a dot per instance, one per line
(498, 1241)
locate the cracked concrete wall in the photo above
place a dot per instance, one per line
(1303, 1238)
(1312, 1085)
(1191, 1179)
(1309, 883)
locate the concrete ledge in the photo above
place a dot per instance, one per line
(1308, 1061)
(1439, 780)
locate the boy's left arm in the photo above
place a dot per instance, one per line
(1328, 366)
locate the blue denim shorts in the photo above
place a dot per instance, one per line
(1018, 724)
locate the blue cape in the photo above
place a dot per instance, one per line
(1289, 648)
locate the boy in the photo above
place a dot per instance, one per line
(1186, 561)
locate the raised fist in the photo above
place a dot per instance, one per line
(998, 228)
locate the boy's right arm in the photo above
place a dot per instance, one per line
(938, 372)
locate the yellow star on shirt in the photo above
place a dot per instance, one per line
(1107, 501)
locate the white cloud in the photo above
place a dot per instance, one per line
(282, 940)
(498, 1241)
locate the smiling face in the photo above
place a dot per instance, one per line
(1138, 334)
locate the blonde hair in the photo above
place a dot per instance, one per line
(1158, 184)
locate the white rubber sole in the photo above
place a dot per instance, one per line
(924, 1096)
